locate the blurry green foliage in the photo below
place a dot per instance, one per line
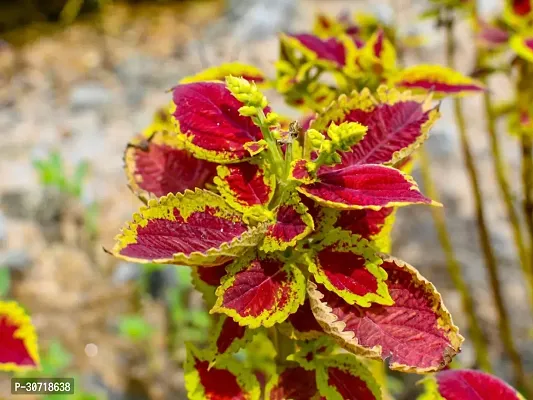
(135, 328)
(52, 173)
(5, 281)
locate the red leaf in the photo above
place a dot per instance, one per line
(219, 132)
(416, 332)
(260, 291)
(244, 185)
(342, 376)
(325, 49)
(294, 383)
(473, 385)
(230, 331)
(351, 276)
(226, 380)
(366, 223)
(18, 340)
(159, 167)
(212, 275)
(292, 223)
(363, 186)
(391, 128)
(397, 124)
(521, 7)
(302, 325)
(194, 228)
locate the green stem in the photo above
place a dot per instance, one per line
(284, 346)
(527, 182)
(488, 252)
(454, 268)
(505, 190)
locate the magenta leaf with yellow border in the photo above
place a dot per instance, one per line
(292, 223)
(228, 336)
(436, 78)
(364, 186)
(366, 223)
(210, 124)
(295, 383)
(397, 124)
(18, 339)
(193, 228)
(245, 185)
(416, 333)
(342, 376)
(227, 379)
(465, 384)
(302, 325)
(260, 291)
(350, 268)
(159, 165)
(330, 49)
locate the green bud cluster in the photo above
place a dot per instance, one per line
(248, 94)
(341, 138)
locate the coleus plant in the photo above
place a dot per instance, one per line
(281, 226)
(18, 339)
(341, 55)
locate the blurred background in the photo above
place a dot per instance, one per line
(79, 78)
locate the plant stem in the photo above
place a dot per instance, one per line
(490, 259)
(454, 269)
(284, 346)
(527, 182)
(505, 189)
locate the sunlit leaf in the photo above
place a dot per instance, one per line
(18, 339)
(260, 290)
(159, 165)
(227, 379)
(193, 228)
(217, 132)
(416, 333)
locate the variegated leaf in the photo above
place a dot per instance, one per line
(260, 291)
(437, 79)
(227, 379)
(159, 165)
(369, 186)
(342, 377)
(464, 384)
(193, 228)
(397, 124)
(294, 383)
(210, 124)
(245, 186)
(416, 333)
(18, 339)
(292, 223)
(350, 268)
